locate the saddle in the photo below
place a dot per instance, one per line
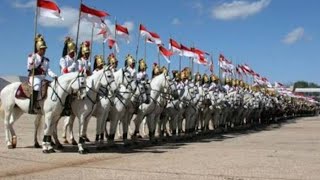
(25, 90)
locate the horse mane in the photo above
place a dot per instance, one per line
(66, 77)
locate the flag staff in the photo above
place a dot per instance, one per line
(145, 48)
(115, 37)
(137, 50)
(91, 42)
(77, 38)
(30, 110)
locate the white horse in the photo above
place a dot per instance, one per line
(82, 109)
(159, 85)
(122, 78)
(51, 106)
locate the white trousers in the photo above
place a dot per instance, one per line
(37, 82)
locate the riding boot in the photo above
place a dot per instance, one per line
(34, 108)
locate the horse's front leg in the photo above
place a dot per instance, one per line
(82, 134)
(37, 124)
(49, 124)
(7, 125)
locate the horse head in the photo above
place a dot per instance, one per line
(108, 79)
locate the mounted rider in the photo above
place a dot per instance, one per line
(142, 71)
(112, 62)
(205, 81)
(214, 83)
(197, 79)
(83, 58)
(67, 61)
(155, 70)
(38, 67)
(130, 65)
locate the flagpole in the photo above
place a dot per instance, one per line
(78, 28)
(115, 37)
(91, 42)
(159, 57)
(180, 62)
(103, 50)
(34, 51)
(145, 48)
(137, 50)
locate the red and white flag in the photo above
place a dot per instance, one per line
(122, 31)
(248, 70)
(175, 47)
(151, 37)
(48, 9)
(165, 53)
(92, 15)
(113, 44)
(187, 52)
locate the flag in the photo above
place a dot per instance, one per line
(104, 31)
(92, 15)
(175, 47)
(187, 52)
(211, 66)
(113, 44)
(122, 32)
(165, 53)
(247, 69)
(151, 37)
(48, 9)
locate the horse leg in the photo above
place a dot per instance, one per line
(48, 128)
(37, 124)
(13, 117)
(55, 136)
(66, 124)
(82, 139)
(71, 122)
(7, 125)
(113, 127)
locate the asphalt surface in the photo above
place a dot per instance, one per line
(288, 150)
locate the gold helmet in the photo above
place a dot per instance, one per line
(241, 84)
(214, 78)
(39, 42)
(69, 46)
(155, 69)
(197, 77)
(142, 65)
(228, 81)
(187, 72)
(176, 75)
(85, 47)
(205, 78)
(183, 75)
(130, 61)
(98, 60)
(164, 70)
(112, 60)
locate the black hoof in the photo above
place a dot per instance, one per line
(60, 147)
(52, 144)
(87, 139)
(36, 145)
(74, 142)
(51, 151)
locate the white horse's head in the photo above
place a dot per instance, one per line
(108, 80)
(140, 93)
(78, 84)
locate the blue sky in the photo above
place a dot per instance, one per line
(278, 39)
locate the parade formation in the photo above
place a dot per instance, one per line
(170, 103)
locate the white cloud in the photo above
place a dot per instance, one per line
(24, 5)
(175, 21)
(294, 36)
(238, 9)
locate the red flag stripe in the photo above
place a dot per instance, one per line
(165, 51)
(175, 44)
(122, 29)
(88, 10)
(48, 5)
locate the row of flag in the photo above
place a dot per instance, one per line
(50, 9)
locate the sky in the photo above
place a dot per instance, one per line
(278, 39)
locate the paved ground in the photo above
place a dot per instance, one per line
(290, 150)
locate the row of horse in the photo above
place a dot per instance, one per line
(118, 99)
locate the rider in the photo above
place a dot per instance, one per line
(142, 68)
(130, 64)
(98, 63)
(68, 62)
(112, 62)
(38, 67)
(205, 81)
(83, 58)
(155, 70)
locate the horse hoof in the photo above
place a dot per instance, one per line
(60, 147)
(74, 142)
(46, 151)
(14, 141)
(36, 145)
(51, 151)
(52, 144)
(86, 139)
(65, 142)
